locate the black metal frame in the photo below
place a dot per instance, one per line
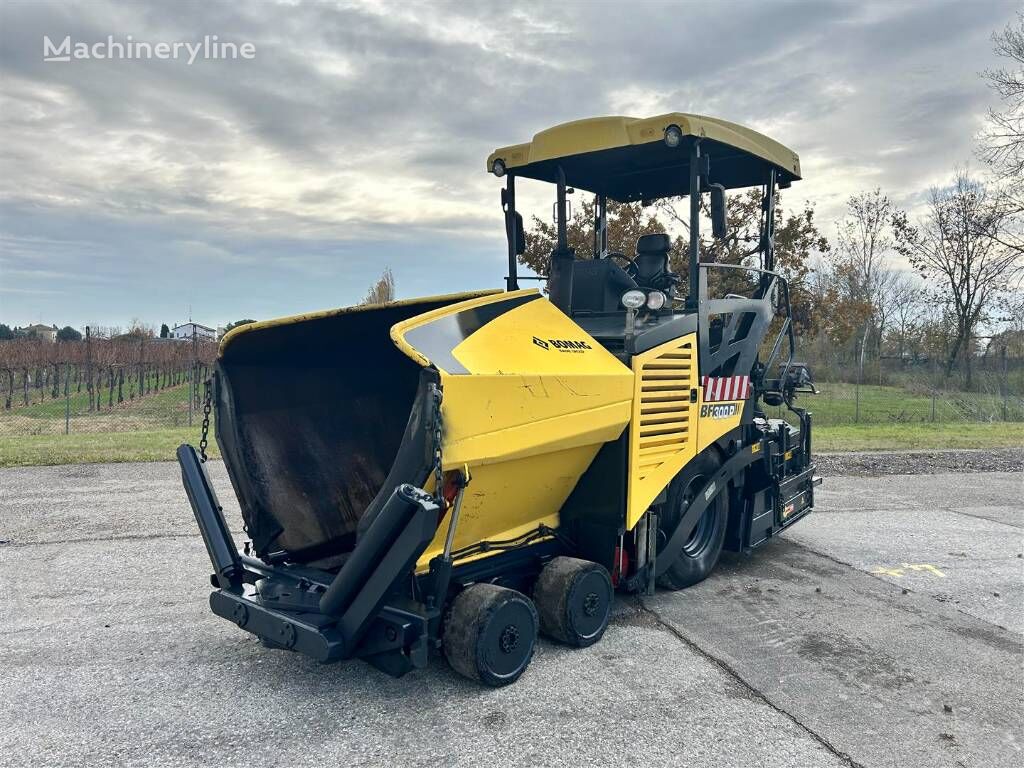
(749, 319)
(366, 610)
(693, 288)
(375, 607)
(508, 205)
(699, 176)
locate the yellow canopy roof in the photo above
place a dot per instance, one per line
(626, 158)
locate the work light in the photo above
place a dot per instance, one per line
(633, 299)
(498, 167)
(673, 136)
(655, 300)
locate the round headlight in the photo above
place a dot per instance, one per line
(656, 300)
(673, 136)
(498, 167)
(633, 299)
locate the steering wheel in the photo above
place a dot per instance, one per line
(631, 269)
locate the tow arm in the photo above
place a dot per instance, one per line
(363, 611)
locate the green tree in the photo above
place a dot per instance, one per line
(165, 332)
(6, 334)
(67, 333)
(237, 323)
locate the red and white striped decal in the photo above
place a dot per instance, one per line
(719, 389)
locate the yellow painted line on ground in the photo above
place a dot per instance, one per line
(901, 570)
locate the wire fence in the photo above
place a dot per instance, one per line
(145, 384)
(903, 389)
(126, 384)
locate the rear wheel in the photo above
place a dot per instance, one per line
(574, 600)
(702, 549)
(490, 634)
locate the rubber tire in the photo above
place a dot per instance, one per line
(561, 594)
(692, 568)
(474, 628)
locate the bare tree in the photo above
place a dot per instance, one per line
(1004, 136)
(908, 312)
(1002, 141)
(864, 241)
(860, 262)
(139, 328)
(864, 236)
(9, 350)
(383, 290)
(956, 245)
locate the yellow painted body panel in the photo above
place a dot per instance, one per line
(527, 417)
(667, 431)
(662, 436)
(509, 344)
(600, 133)
(512, 498)
(710, 429)
(399, 330)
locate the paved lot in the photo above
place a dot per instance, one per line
(885, 630)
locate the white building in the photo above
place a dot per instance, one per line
(186, 331)
(44, 332)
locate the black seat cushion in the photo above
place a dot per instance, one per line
(656, 242)
(651, 257)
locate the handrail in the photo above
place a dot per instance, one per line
(765, 289)
(717, 265)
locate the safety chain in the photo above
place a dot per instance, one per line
(207, 405)
(435, 395)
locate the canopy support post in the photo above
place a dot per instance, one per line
(769, 245)
(693, 294)
(563, 240)
(508, 203)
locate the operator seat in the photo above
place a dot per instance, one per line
(652, 262)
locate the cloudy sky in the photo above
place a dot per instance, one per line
(356, 137)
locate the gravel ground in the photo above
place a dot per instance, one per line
(872, 464)
(884, 630)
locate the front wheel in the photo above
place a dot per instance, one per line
(490, 634)
(702, 549)
(574, 601)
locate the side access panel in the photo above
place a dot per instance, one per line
(663, 435)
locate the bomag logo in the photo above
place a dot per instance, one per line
(716, 411)
(562, 345)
